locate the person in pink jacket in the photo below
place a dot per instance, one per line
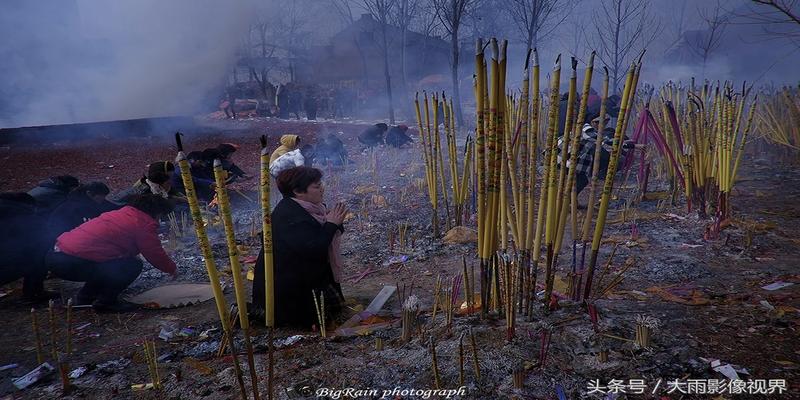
(103, 252)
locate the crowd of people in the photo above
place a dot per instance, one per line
(80, 232)
(292, 101)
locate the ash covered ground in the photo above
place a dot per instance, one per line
(706, 296)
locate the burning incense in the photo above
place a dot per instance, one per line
(434, 365)
(69, 326)
(266, 222)
(461, 359)
(467, 288)
(319, 304)
(645, 325)
(37, 337)
(236, 269)
(437, 288)
(52, 316)
(518, 376)
(475, 364)
(151, 357)
(410, 310)
(208, 256)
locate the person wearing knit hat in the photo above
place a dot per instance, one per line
(158, 181)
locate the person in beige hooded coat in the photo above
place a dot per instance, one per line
(288, 143)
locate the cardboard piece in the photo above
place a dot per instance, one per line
(34, 376)
(171, 296)
(351, 327)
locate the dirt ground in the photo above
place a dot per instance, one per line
(704, 298)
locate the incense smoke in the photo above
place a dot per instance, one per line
(68, 61)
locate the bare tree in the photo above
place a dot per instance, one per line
(780, 19)
(678, 21)
(381, 11)
(272, 38)
(787, 8)
(451, 13)
(536, 19)
(428, 24)
(622, 29)
(345, 11)
(707, 41)
(404, 15)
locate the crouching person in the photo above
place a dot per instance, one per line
(103, 252)
(306, 236)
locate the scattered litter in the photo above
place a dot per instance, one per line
(765, 304)
(34, 376)
(113, 366)
(204, 334)
(166, 357)
(762, 259)
(4, 294)
(674, 216)
(77, 372)
(281, 343)
(560, 392)
(203, 349)
(142, 386)
(168, 331)
(84, 326)
(777, 285)
(187, 332)
(395, 260)
(690, 246)
(725, 369)
(8, 366)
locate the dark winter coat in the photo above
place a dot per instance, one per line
(24, 240)
(78, 209)
(300, 254)
(330, 149)
(373, 136)
(397, 137)
(49, 194)
(202, 182)
(139, 188)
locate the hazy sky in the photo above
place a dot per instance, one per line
(64, 61)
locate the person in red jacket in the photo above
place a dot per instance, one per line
(103, 252)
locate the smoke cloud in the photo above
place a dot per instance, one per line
(72, 61)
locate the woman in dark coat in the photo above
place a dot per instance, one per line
(305, 237)
(84, 203)
(23, 246)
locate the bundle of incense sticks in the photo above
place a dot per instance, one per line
(645, 325)
(410, 310)
(435, 365)
(546, 333)
(602, 356)
(37, 337)
(52, 318)
(475, 362)
(436, 290)
(151, 357)
(461, 359)
(319, 304)
(518, 376)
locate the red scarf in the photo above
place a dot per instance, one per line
(320, 212)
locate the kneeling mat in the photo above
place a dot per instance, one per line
(171, 296)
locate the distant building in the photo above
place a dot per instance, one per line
(355, 55)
